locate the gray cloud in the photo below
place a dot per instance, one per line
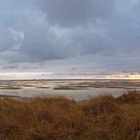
(71, 12)
(6, 39)
(70, 35)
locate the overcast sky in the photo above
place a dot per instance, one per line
(70, 37)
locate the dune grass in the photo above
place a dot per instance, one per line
(100, 118)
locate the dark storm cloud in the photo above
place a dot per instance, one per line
(90, 35)
(41, 46)
(75, 12)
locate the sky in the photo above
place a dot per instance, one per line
(69, 38)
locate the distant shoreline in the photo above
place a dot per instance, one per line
(68, 79)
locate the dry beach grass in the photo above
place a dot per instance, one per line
(100, 118)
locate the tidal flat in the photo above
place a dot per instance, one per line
(72, 89)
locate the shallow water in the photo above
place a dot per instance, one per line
(74, 94)
(76, 89)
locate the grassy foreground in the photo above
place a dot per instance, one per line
(101, 118)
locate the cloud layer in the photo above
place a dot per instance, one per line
(71, 12)
(68, 36)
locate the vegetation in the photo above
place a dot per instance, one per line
(101, 118)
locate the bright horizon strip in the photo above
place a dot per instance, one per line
(51, 75)
(127, 76)
(23, 75)
(133, 77)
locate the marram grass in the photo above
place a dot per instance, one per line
(100, 118)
